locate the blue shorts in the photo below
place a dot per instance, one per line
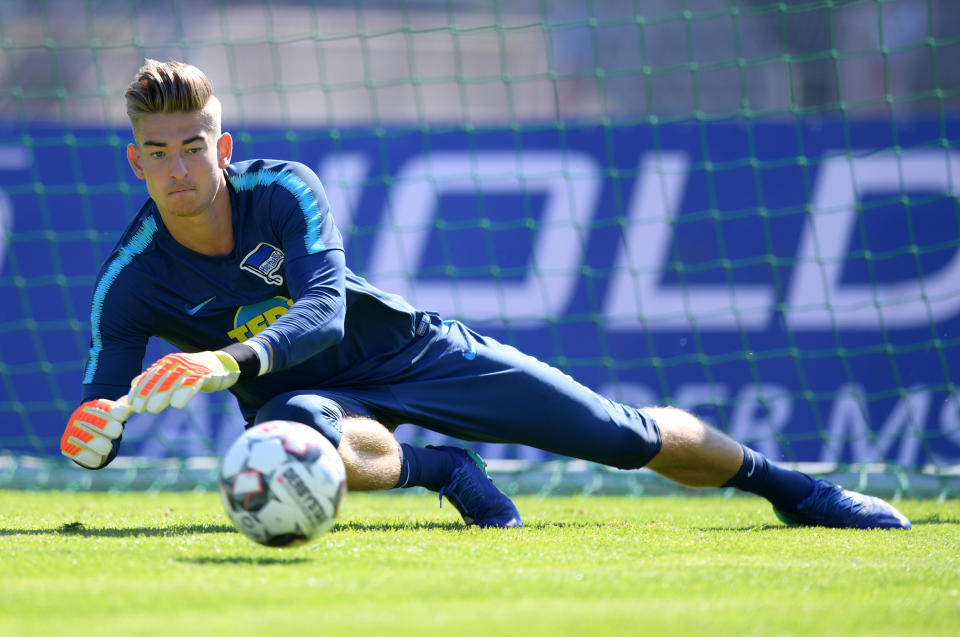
(456, 382)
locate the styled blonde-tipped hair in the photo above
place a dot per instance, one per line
(172, 87)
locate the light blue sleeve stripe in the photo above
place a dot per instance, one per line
(299, 189)
(125, 254)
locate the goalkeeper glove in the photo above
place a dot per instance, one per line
(92, 436)
(176, 378)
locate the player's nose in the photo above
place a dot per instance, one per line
(178, 167)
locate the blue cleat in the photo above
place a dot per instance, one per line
(830, 505)
(473, 494)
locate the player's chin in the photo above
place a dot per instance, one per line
(182, 206)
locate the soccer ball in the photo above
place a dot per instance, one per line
(282, 483)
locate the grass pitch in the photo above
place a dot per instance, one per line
(171, 564)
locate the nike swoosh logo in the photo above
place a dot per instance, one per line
(196, 308)
(753, 465)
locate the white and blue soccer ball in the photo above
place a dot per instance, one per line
(282, 483)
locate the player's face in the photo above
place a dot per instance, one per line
(181, 160)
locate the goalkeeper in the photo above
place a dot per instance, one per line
(241, 266)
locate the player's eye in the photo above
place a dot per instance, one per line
(157, 154)
(194, 151)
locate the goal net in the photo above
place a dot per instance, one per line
(744, 208)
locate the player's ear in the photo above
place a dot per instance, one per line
(133, 156)
(224, 150)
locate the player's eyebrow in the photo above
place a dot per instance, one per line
(189, 140)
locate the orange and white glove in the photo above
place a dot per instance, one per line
(92, 436)
(176, 378)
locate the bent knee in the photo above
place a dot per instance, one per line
(637, 443)
(318, 412)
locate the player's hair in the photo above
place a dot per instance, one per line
(172, 87)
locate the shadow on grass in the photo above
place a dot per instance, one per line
(572, 524)
(410, 525)
(242, 561)
(934, 519)
(418, 525)
(929, 520)
(748, 527)
(80, 529)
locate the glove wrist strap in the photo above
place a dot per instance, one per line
(247, 359)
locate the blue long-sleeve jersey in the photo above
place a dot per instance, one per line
(285, 281)
(334, 337)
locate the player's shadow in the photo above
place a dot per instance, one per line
(929, 520)
(454, 525)
(242, 561)
(82, 530)
(572, 524)
(934, 519)
(407, 525)
(749, 527)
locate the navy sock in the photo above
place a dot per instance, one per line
(420, 467)
(782, 487)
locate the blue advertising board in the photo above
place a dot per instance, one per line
(796, 283)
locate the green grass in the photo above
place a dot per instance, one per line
(170, 564)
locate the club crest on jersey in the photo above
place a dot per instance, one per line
(265, 261)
